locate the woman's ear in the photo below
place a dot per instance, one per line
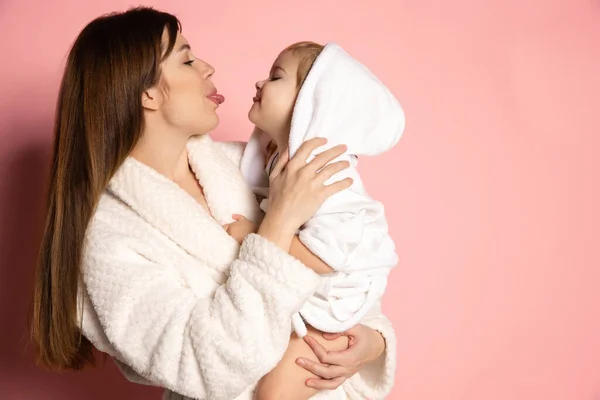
(152, 99)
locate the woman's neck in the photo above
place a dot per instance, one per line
(165, 153)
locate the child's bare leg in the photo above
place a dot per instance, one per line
(287, 381)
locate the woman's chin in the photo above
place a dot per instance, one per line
(208, 126)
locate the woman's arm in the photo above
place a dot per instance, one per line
(243, 227)
(210, 347)
(234, 151)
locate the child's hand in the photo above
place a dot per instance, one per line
(240, 228)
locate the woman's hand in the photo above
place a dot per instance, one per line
(365, 345)
(296, 188)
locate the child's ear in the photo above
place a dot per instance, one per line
(152, 99)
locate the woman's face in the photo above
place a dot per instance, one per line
(185, 96)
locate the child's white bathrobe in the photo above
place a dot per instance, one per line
(177, 303)
(344, 102)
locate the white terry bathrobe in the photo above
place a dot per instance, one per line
(177, 303)
(344, 102)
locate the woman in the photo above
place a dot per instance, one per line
(134, 255)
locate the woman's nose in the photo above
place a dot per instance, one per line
(210, 71)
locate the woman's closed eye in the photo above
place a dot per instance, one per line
(189, 62)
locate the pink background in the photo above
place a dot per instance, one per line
(492, 194)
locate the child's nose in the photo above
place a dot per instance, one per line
(259, 85)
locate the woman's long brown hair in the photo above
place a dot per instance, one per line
(99, 118)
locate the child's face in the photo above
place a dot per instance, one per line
(275, 98)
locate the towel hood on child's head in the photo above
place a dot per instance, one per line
(340, 100)
(344, 102)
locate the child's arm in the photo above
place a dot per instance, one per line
(242, 227)
(302, 253)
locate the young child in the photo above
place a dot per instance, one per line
(315, 90)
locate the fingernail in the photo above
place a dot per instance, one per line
(310, 384)
(301, 362)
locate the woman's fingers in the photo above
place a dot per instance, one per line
(330, 190)
(305, 150)
(324, 356)
(324, 371)
(296, 190)
(333, 336)
(324, 384)
(280, 164)
(325, 157)
(332, 169)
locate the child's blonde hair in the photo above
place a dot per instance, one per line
(307, 53)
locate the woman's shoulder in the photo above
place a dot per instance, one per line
(233, 150)
(113, 226)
